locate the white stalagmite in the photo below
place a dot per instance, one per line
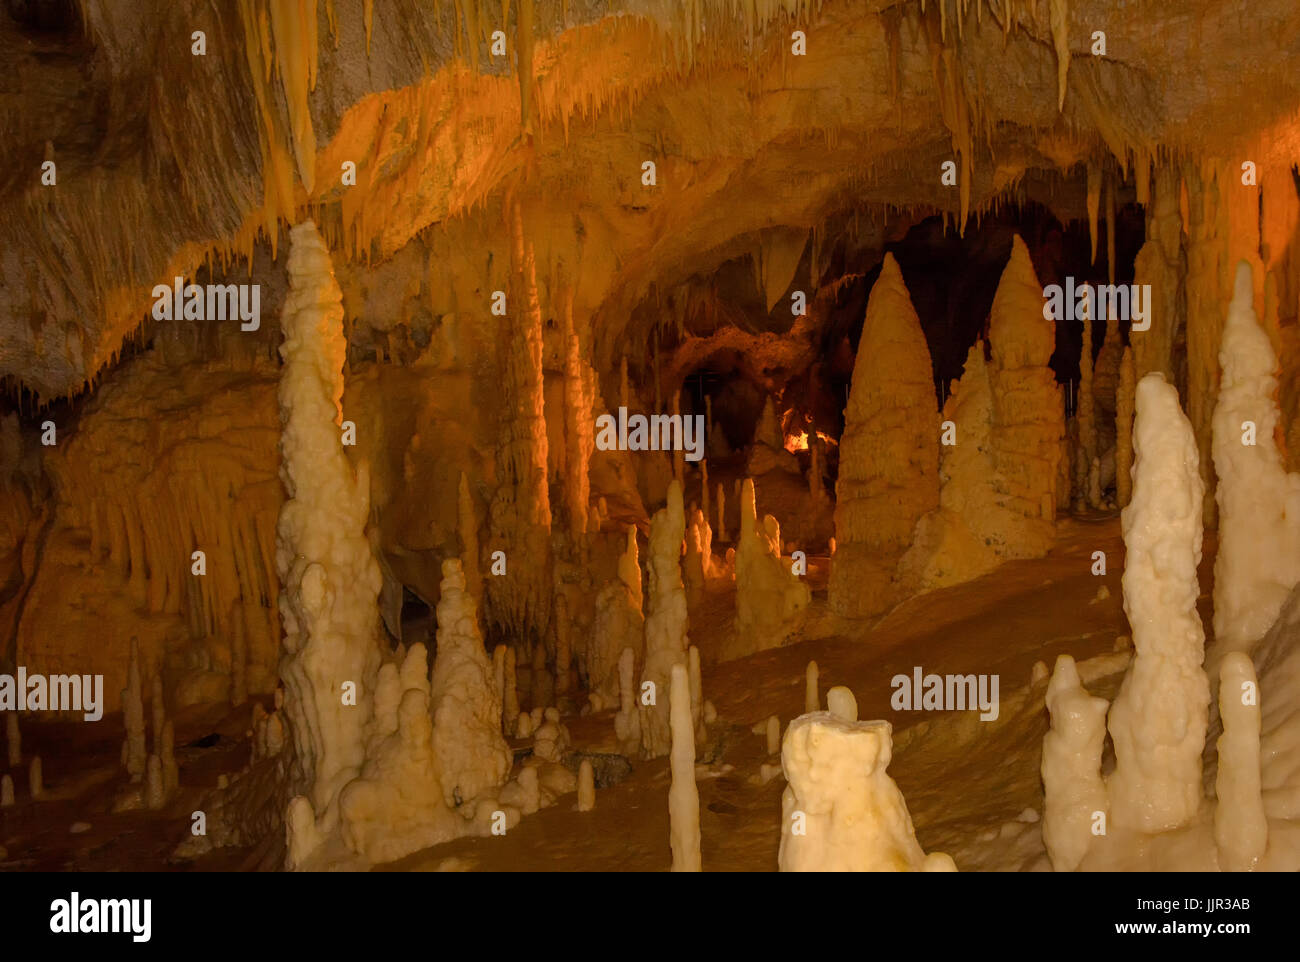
(1259, 501)
(1124, 429)
(133, 751)
(6, 791)
(811, 695)
(330, 579)
(1071, 767)
(889, 454)
(1158, 720)
(586, 786)
(769, 596)
(1240, 826)
(13, 739)
(683, 796)
(841, 703)
(666, 623)
(471, 754)
(841, 812)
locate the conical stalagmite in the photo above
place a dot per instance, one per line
(1240, 823)
(1027, 413)
(683, 796)
(889, 455)
(666, 621)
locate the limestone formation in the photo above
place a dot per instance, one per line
(683, 797)
(1124, 430)
(889, 454)
(769, 596)
(666, 622)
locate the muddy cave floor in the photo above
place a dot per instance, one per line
(967, 783)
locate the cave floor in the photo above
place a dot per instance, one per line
(968, 783)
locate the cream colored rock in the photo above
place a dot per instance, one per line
(889, 454)
(329, 577)
(1158, 721)
(841, 812)
(841, 703)
(773, 733)
(619, 624)
(586, 786)
(1258, 561)
(471, 754)
(1075, 802)
(1240, 824)
(627, 721)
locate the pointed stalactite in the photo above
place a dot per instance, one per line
(524, 46)
(1094, 207)
(1060, 19)
(294, 24)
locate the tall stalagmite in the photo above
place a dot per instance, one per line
(330, 579)
(1158, 720)
(889, 455)
(1258, 562)
(666, 621)
(769, 597)
(1027, 414)
(519, 602)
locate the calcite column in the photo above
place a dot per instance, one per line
(519, 602)
(1258, 562)
(1158, 720)
(1028, 418)
(889, 455)
(666, 623)
(329, 577)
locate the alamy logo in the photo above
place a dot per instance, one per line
(83, 693)
(1120, 302)
(921, 692)
(215, 302)
(74, 915)
(658, 432)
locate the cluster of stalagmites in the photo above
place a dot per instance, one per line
(1151, 811)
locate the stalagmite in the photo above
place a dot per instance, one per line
(1158, 720)
(1240, 825)
(1124, 430)
(520, 514)
(330, 579)
(238, 657)
(13, 740)
(697, 689)
(1027, 413)
(618, 624)
(467, 744)
(841, 812)
(722, 509)
(170, 772)
(35, 781)
(811, 695)
(155, 788)
(510, 698)
(133, 751)
(889, 454)
(683, 797)
(1258, 562)
(467, 527)
(666, 623)
(1074, 794)
(627, 721)
(586, 786)
(770, 597)
(841, 703)
(6, 791)
(1085, 413)
(579, 426)
(158, 710)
